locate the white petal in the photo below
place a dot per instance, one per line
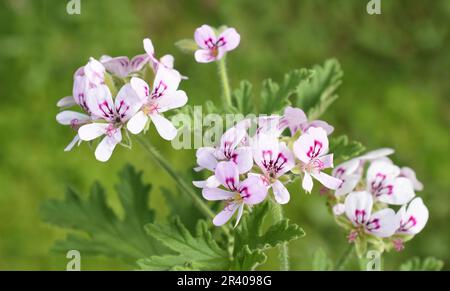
(339, 209)
(328, 181)
(172, 100)
(243, 159)
(206, 159)
(402, 192)
(358, 207)
(106, 147)
(414, 219)
(166, 80)
(376, 154)
(71, 117)
(100, 102)
(141, 87)
(227, 174)
(127, 102)
(307, 183)
(225, 214)
(348, 184)
(411, 175)
(280, 192)
(312, 144)
(70, 146)
(253, 190)
(137, 123)
(239, 215)
(138, 62)
(92, 131)
(167, 61)
(230, 39)
(383, 223)
(164, 127)
(213, 194)
(67, 101)
(119, 66)
(204, 56)
(205, 36)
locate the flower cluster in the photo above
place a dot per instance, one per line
(266, 160)
(135, 103)
(363, 203)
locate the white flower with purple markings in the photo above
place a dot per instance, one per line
(212, 47)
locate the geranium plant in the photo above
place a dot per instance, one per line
(274, 150)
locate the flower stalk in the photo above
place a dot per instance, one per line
(283, 248)
(223, 75)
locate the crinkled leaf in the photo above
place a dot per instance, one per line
(104, 232)
(248, 260)
(427, 264)
(250, 230)
(315, 96)
(195, 252)
(242, 99)
(343, 149)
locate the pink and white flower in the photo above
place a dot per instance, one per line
(115, 113)
(358, 209)
(386, 185)
(166, 61)
(274, 159)
(123, 66)
(212, 47)
(311, 149)
(413, 217)
(411, 175)
(295, 119)
(237, 194)
(164, 96)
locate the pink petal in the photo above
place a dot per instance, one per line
(71, 117)
(253, 190)
(414, 219)
(172, 100)
(213, 194)
(167, 61)
(244, 159)
(328, 181)
(225, 214)
(100, 102)
(67, 101)
(92, 131)
(312, 144)
(383, 223)
(411, 175)
(166, 81)
(205, 37)
(293, 118)
(402, 192)
(227, 174)
(230, 39)
(119, 66)
(319, 123)
(204, 56)
(141, 88)
(327, 161)
(94, 71)
(106, 147)
(127, 102)
(206, 158)
(138, 62)
(358, 207)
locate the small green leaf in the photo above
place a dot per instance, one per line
(187, 45)
(315, 96)
(242, 98)
(196, 252)
(248, 260)
(343, 149)
(106, 233)
(427, 264)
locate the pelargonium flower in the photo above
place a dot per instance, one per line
(295, 119)
(75, 120)
(311, 149)
(164, 96)
(274, 159)
(351, 171)
(249, 192)
(411, 175)
(212, 47)
(123, 66)
(358, 209)
(115, 114)
(386, 185)
(413, 217)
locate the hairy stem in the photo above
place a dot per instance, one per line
(226, 92)
(198, 202)
(283, 248)
(343, 260)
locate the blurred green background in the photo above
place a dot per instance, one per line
(396, 93)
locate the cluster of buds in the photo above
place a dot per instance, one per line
(363, 204)
(135, 103)
(248, 164)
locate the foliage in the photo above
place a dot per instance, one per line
(427, 264)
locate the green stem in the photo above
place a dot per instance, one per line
(283, 248)
(226, 94)
(344, 258)
(198, 202)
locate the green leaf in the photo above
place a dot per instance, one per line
(104, 232)
(193, 252)
(248, 260)
(428, 264)
(187, 45)
(275, 97)
(242, 98)
(321, 262)
(315, 96)
(250, 230)
(343, 149)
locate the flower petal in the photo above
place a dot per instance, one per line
(214, 194)
(164, 127)
(243, 159)
(318, 123)
(401, 192)
(411, 175)
(92, 131)
(206, 159)
(358, 207)
(239, 215)
(376, 154)
(312, 144)
(71, 117)
(74, 141)
(229, 39)
(383, 223)
(166, 81)
(205, 37)
(119, 66)
(348, 184)
(253, 190)
(167, 61)
(414, 218)
(141, 87)
(106, 147)
(328, 181)
(293, 118)
(67, 101)
(204, 56)
(100, 102)
(225, 214)
(172, 100)
(227, 173)
(94, 71)
(280, 192)
(138, 62)
(137, 123)
(127, 102)
(307, 182)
